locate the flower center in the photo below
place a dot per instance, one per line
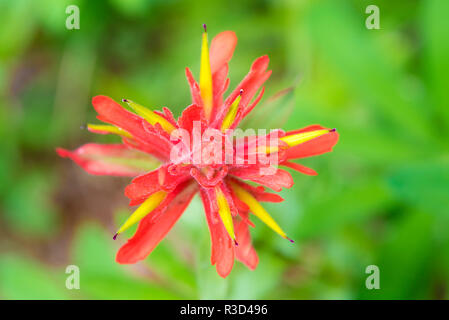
(209, 177)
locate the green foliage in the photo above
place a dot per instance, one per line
(23, 278)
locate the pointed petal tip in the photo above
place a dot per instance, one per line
(333, 130)
(236, 243)
(63, 152)
(205, 27)
(223, 274)
(115, 236)
(292, 241)
(99, 99)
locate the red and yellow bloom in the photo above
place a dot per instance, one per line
(164, 193)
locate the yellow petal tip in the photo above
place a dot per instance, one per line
(257, 209)
(225, 213)
(145, 208)
(232, 112)
(206, 76)
(150, 116)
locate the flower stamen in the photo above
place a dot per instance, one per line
(225, 213)
(150, 116)
(258, 210)
(295, 139)
(144, 209)
(206, 76)
(230, 116)
(104, 128)
(298, 138)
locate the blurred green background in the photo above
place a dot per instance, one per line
(382, 196)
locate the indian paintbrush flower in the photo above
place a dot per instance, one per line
(164, 193)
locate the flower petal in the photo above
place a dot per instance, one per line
(258, 192)
(167, 115)
(257, 75)
(300, 168)
(110, 159)
(221, 49)
(257, 209)
(151, 117)
(245, 252)
(220, 83)
(194, 88)
(276, 181)
(255, 102)
(111, 112)
(312, 127)
(206, 77)
(145, 185)
(151, 203)
(222, 255)
(154, 227)
(189, 115)
(313, 147)
(224, 211)
(159, 153)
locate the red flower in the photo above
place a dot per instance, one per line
(164, 193)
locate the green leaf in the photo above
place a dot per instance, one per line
(404, 260)
(23, 278)
(102, 278)
(28, 208)
(210, 284)
(355, 203)
(247, 284)
(349, 48)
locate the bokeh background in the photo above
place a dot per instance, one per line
(382, 196)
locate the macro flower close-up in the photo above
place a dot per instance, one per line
(198, 153)
(218, 159)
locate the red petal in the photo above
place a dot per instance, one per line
(189, 115)
(194, 88)
(250, 84)
(258, 192)
(280, 179)
(313, 147)
(222, 49)
(159, 153)
(312, 127)
(145, 185)
(243, 112)
(241, 206)
(228, 194)
(245, 251)
(220, 84)
(158, 138)
(253, 80)
(111, 112)
(246, 147)
(109, 159)
(154, 227)
(222, 255)
(255, 102)
(167, 115)
(300, 168)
